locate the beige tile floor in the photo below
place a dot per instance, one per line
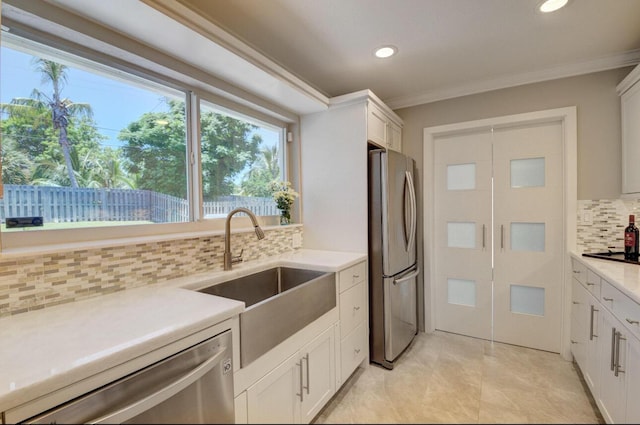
(448, 378)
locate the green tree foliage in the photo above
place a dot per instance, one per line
(62, 111)
(264, 171)
(16, 165)
(155, 150)
(227, 148)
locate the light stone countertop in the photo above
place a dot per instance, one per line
(46, 350)
(623, 276)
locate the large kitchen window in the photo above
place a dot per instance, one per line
(86, 146)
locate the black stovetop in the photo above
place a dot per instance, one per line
(612, 256)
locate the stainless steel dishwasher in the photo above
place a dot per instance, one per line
(194, 386)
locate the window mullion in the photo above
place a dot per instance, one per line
(194, 176)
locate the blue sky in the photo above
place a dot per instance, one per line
(114, 104)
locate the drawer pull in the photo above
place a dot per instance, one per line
(607, 299)
(357, 350)
(576, 271)
(356, 308)
(574, 342)
(590, 284)
(355, 276)
(633, 322)
(575, 302)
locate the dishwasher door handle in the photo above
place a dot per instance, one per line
(165, 393)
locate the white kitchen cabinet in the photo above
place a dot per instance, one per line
(633, 381)
(611, 395)
(296, 390)
(611, 362)
(354, 323)
(584, 326)
(578, 327)
(381, 128)
(334, 169)
(629, 91)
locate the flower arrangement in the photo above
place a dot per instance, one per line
(284, 196)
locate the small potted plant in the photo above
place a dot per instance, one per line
(284, 196)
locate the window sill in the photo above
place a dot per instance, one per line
(16, 252)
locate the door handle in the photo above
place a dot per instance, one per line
(484, 232)
(404, 279)
(301, 394)
(308, 377)
(619, 337)
(613, 348)
(591, 335)
(173, 388)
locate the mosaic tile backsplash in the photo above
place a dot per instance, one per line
(30, 283)
(609, 217)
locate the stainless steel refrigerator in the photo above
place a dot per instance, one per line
(393, 269)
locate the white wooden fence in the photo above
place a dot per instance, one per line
(66, 204)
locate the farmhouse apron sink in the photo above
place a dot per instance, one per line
(278, 302)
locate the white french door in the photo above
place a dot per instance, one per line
(499, 233)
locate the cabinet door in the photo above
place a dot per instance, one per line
(376, 125)
(318, 360)
(275, 398)
(633, 379)
(394, 136)
(630, 104)
(578, 326)
(611, 397)
(593, 326)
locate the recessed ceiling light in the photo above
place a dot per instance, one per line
(552, 5)
(385, 51)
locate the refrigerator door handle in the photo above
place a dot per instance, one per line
(413, 211)
(408, 277)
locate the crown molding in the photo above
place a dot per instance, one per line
(629, 58)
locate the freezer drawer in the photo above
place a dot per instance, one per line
(400, 313)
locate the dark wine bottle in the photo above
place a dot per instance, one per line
(631, 240)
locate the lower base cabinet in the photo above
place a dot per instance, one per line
(611, 396)
(605, 340)
(296, 390)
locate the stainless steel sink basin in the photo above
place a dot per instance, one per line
(278, 303)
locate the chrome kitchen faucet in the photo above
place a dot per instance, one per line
(229, 259)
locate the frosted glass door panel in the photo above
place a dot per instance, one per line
(527, 172)
(527, 237)
(461, 235)
(461, 292)
(461, 177)
(527, 300)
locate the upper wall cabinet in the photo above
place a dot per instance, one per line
(629, 90)
(382, 128)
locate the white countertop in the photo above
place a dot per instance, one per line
(624, 276)
(45, 350)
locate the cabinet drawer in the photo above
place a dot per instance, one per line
(593, 283)
(353, 304)
(352, 275)
(579, 271)
(353, 350)
(624, 308)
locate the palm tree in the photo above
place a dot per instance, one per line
(62, 109)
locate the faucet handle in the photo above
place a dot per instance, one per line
(237, 259)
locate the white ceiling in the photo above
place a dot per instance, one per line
(446, 48)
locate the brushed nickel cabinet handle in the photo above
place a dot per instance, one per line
(502, 236)
(484, 233)
(308, 376)
(591, 335)
(575, 302)
(619, 337)
(301, 393)
(613, 349)
(607, 299)
(632, 322)
(576, 271)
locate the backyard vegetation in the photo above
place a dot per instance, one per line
(49, 140)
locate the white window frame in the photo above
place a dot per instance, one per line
(47, 240)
